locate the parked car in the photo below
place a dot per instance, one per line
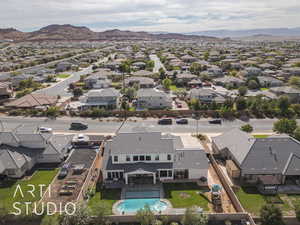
(64, 171)
(182, 121)
(79, 126)
(165, 121)
(45, 129)
(217, 121)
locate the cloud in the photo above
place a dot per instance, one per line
(151, 15)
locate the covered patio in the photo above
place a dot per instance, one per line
(140, 176)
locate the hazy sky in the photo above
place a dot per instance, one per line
(151, 15)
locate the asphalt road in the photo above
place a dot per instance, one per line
(157, 63)
(61, 88)
(96, 126)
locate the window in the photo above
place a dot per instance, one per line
(170, 173)
(142, 158)
(148, 157)
(163, 173)
(116, 158)
(169, 157)
(157, 158)
(136, 158)
(128, 158)
(11, 172)
(109, 176)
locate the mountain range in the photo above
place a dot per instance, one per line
(70, 32)
(283, 32)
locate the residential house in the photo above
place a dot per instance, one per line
(266, 82)
(98, 80)
(108, 98)
(292, 93)
(252, 71)
(270, 163)
(229, 80)
(62, 67)
(141, 82)
(151, 157)
(33, 101)
(6, 90)
(183, 79)
(151, 98)
(205, 95)
(20, 152)
(139, 65)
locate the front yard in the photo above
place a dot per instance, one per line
(186, 195)
(106, 196)
(8, 188)
(252, 201)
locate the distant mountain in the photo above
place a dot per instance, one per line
(11, 34)
(245, 33)
(70, 32)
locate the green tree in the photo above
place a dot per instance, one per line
(243, 90)
(297, 212)
(294, 81)
(286, 126)
(241, 103)
(252, 84)
(271, 215)
(194, 104)
(247, 128)
(145, 216)
(297, 133)
(192, 217)
(162, 74)
(130, 93)
(52, 111)
(167, 83)
(80, 217)
(195, 68)
(101, 212)
(125, 67)
(283, 105)
(77, 92)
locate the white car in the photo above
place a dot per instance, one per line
(45, 129)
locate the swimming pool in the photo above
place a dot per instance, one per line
(134, 205)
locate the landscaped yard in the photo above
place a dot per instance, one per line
(261, 136)
(7, 190)
(186, 195)
(63, 75)
(174, 88)
(106, 196)
(252, 201)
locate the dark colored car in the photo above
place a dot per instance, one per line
(182, 121)
(165, 121)
(78, 126)
(217, 121)
(64, 171)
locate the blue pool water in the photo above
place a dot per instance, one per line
(133, 205)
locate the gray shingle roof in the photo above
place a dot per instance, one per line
(190, 159)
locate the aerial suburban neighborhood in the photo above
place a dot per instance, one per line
(149, 128)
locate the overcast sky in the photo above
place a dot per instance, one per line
(151, 15)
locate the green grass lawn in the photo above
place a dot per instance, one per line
(106, 196)
(174, 88)
(264, 89)
(261, 136)
(252, 200)
(185, 195)
(63, 75)
(8, 189)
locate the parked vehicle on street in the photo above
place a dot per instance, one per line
(78, 126)
(165, 121)
(217, 121)
(64, 171)
(45, 129)
(182, 121)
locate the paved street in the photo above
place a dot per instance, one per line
(61, 88)
(157, 63)
(96, 126)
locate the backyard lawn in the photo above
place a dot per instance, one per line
(7, 190)
(261, 136)
(252, 201)
(186, 195)
(174, 88)
(63, 75)
(106, 196)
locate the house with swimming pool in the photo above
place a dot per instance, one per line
(145, 157)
